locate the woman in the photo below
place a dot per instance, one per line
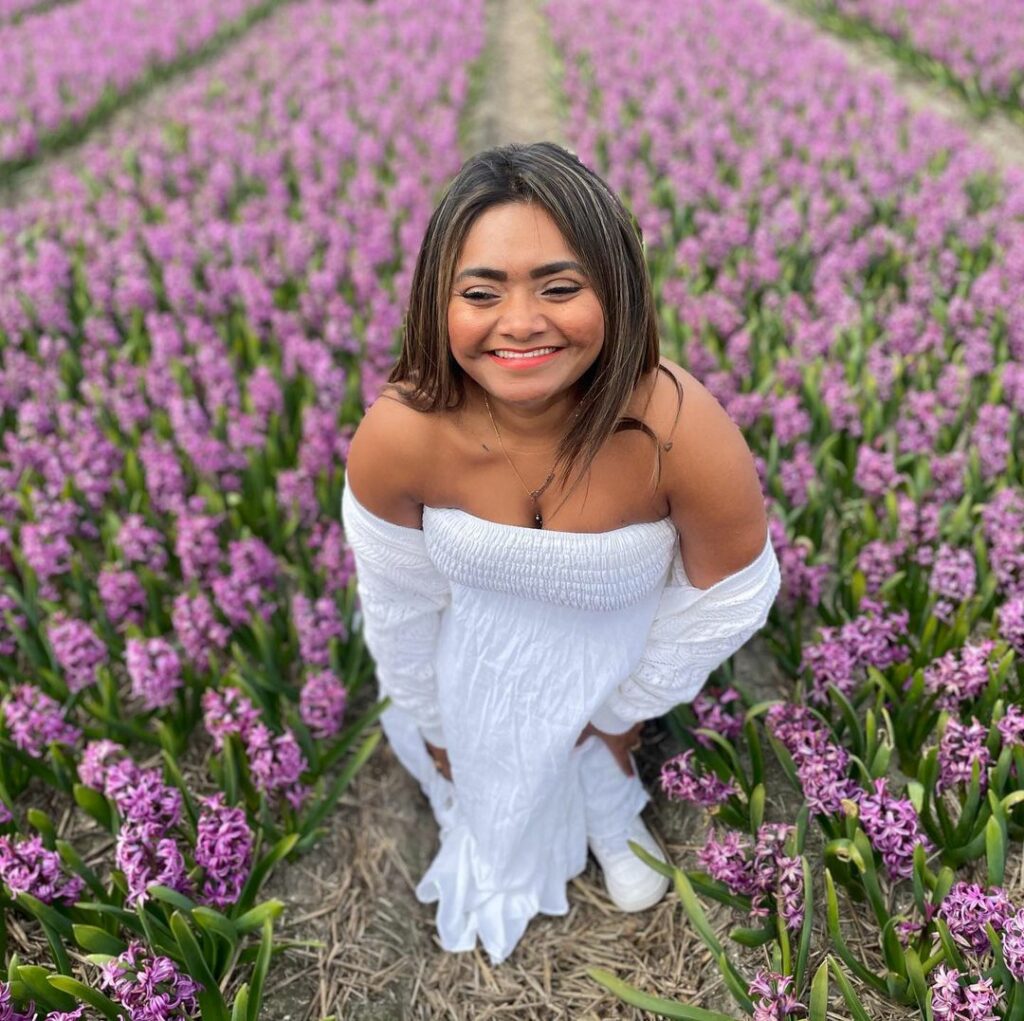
(524, 625)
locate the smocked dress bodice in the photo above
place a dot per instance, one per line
(609, 570)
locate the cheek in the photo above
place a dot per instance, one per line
(585, 323)
(461, 325)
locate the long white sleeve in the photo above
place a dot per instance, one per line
(401, 595)
(694, 631)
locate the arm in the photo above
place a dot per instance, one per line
(401, 593)
(725, 576)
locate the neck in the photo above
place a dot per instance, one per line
(538, 424)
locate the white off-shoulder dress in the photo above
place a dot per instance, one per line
(499, 643)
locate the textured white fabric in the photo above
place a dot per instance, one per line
(519, 636)
(401, 595)
(694, 631)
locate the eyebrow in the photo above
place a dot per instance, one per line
(501, 275)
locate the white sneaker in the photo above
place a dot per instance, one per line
(631, 883)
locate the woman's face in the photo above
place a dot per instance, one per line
(518, 288)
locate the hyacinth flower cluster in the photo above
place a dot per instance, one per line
(760, 869)
(26, 866)
(150, 811)
(149, 986)
(979, 44)
(276, 761)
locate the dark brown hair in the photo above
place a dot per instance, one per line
(608, 243)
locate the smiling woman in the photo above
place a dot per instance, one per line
(520, 660)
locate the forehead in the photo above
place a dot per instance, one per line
(513, 233)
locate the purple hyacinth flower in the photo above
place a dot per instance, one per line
(228, 712)
(954, 1001)
(28, 867)
(894, 829)
(682, 781)
(154, 669)
(224, 846)
(34, 720)
(774, 1000)
(322, 704)
(78, 650)
(960, 747)
(150, 987)
(966, 909)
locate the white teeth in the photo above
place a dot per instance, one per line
(525, 354)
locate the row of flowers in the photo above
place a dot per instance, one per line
(190, 323)
(842, 275)
(975, 46)
(67, 65)
(15, 10)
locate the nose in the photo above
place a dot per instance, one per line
(521, 317)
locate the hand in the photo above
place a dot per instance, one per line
(440, 757)
(620, 745)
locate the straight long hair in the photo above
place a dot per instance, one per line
(605, 239)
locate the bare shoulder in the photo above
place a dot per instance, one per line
(710, 479)
(386, 459)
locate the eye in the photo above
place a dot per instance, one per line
(484, 295)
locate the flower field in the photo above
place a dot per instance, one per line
(193, 316)
(846, 277)
(976, 46)
(68, 63)
(189, 321)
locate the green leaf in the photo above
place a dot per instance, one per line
(215, 922)
(259, 971)
(852, 1001)
(40, 821)
(695, 912)
(262, 868)
(84, 994)
(74, 861)
(756, 808)
(917, 982)
(819, 994)
(240, 1008)
(344, 778)
(655, 1005)
(166, 895)
(35, 979)
(187, 801)
(995, 851)
(254, 918)
(97, 940)
(953, 956)
(211, 1002)
(46, 914)
(804, 947)
(752, 937)
(94, 804)
(832, 923)
(735, 982)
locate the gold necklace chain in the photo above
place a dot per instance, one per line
(534, 494)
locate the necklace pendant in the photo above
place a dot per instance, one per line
(538, 521)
